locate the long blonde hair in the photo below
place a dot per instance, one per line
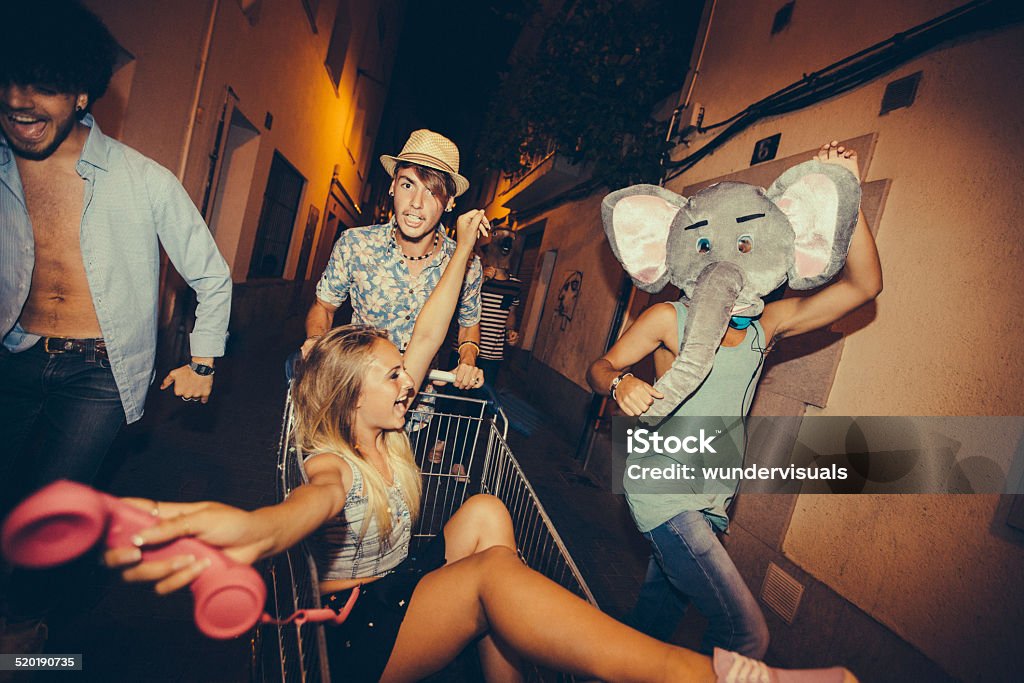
(325, 393)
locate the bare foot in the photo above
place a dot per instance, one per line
(834, 153)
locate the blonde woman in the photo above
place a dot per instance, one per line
(414, 614)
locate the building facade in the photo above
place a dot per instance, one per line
(267, 110)
(898, 588)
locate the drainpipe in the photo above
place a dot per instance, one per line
(685, 100)
(168, 297)
(687, 91)
(194, 109)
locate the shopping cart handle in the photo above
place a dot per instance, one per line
(441, 376)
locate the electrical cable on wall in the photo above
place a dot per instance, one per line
(857, 70)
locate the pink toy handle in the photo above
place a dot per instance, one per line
(324, 614)
(64, 520)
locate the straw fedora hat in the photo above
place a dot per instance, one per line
(430, 149)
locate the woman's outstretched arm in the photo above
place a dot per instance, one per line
(244, 536)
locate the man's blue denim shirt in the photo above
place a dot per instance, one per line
(132, 206)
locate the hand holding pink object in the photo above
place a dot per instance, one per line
(64, 520)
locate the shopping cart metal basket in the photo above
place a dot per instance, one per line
(460, 445)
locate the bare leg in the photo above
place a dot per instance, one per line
(493, 591)
(499, 662)
(480, 523)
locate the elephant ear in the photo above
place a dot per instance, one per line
(821, 201)
(637, 221)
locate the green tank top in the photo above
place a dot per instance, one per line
(726, 394)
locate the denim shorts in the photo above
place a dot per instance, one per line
(359, 648)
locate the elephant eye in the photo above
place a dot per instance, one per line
(745, 244)
(703, 245)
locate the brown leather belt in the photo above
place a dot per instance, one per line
(92, 348)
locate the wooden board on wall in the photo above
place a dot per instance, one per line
(763, 174)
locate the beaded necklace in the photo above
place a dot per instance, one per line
(401, 253)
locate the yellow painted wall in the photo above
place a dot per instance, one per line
(274, 65)
(575, 231)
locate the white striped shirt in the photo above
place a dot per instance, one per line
(497, 297)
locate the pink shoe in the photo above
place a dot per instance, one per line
(734, 668)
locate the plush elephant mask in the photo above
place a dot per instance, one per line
(728, 246)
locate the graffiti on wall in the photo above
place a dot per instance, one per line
(568, 295)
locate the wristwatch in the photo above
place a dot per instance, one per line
(201, 370)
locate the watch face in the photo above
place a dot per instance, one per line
(201, 369)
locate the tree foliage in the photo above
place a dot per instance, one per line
(590, 88)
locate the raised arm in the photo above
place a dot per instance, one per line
(654, 328)
(860, 282)
(432, 322)
(467, 374)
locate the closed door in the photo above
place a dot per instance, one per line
(277, 219)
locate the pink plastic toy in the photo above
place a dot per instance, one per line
(64, 520)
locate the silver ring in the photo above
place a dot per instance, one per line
(184, 398)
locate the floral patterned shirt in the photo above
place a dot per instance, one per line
(367, 266)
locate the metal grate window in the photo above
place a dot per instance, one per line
(900, 93)
(337, 48)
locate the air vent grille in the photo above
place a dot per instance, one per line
(781, 592)
(900, 93)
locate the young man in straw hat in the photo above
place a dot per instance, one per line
(389, 270)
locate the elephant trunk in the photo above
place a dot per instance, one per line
(710, 309)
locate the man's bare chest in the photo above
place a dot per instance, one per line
(55, 209)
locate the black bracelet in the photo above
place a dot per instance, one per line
(616, 382)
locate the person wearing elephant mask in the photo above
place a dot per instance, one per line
(725, 247)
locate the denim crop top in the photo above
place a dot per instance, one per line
(339, 551)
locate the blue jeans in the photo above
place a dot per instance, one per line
(689, 564)
(59, 413)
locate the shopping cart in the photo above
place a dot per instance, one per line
(460, 445)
